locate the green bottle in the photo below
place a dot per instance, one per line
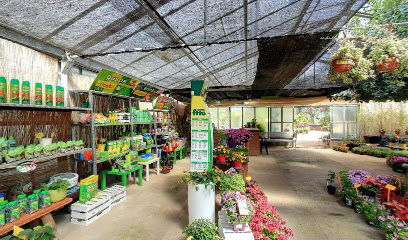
(38, 94)
(48, 95)
(15, 91)
(25, 92)
(3, 90)
(59, 96)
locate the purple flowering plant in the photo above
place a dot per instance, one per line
(240, 135)
(396, 159)
(358, 176)
(229, 204)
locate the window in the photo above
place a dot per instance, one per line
(248, 114)
(223, 118)
(282, 119)
(214, 116)
(262, 117)
(236, 117)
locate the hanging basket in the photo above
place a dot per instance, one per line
(341, 65)
(388, 66)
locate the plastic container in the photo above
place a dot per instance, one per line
(44, 200)
(38, 94)
(48, 95)
(25, 92)
(11, 142)
(2, 216)
(22, 202)
(13, 211)
(15, 91)
(32, 203)
(60, 96)
(3, 90)
(45, 141)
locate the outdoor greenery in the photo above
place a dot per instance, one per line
(232, 182)
(349, 139)
(45, 232)
(379, 152)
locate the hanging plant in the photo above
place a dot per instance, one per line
(348, 64)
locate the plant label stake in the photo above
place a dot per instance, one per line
(399, 182)
(52, 134)
(356, 186)
(339, 177)
(390, 188)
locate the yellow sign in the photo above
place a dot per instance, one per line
(39, 135)
(390, 187)
(17, 230)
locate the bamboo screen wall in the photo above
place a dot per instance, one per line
(25, 64)
(389, 116)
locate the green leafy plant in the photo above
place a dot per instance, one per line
(237, 157)
(59, 184)
(349, 139)
(332, 176)
(382, 130)
(261, 127)
(45, 232)
(201, 229)
(222, 136)
(373, 211)
(325, 128)
(360, 66)
(232, 182)
(208, 178)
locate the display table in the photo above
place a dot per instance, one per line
(123, 175)
(146, 164)
(43, 214)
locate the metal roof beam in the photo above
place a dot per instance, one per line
(301, 16)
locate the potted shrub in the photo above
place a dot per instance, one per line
(330, 188)
(403, 142)
(222, 137)
(348, 64)
(386, 52)
(57, 189)
(237, 158)
(165, 162)
(351, 141)
(382, 131)
(406, 131)
(392, 139)
(253, 122)
(397, 131)
(201, 229)
(221, 152)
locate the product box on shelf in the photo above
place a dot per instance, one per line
(88, 188)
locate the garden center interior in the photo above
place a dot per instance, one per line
(204, 119)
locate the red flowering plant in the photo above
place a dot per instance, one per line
(266, 223)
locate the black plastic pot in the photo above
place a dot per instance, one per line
(372, 139)
(331, 189)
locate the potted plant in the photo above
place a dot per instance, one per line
(234, 203)
(330, 188)
(387, 52)
(201, 179)
(232, 181)
(57, 189)
(406, 131)
(221, 152)
(201, 229)
(382, 131)
(392, 139)
(351, 141)
(397, 131)
(237, 158)
(348, 194)
(45, 232)
(373, 212)
(238, 136)
(253, 122)
(222, 137)
(348, 64)
(166, 162)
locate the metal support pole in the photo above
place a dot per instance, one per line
(94, 168)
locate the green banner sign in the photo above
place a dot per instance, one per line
(111, 82)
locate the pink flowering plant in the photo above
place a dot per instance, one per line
(240, 135)
(394, 228)
(266, 223)
(229, 204)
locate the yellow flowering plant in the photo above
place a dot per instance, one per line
(237, 157)
(221, 150)
(201, 229)
(208, 178)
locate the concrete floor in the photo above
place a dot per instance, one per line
(293, 180)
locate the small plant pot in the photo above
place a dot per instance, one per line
(237, 164)
(357, 209)
(231, 144)
(166, 170)
(388, 66)
(101, 147)
(397, 133)
(331, 190)
(254, 125)
(406, 132)
(222, 158)
(348, 201)
(58, 195)
(382, 133)
(239, 227)
(341, 65)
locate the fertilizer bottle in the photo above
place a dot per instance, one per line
(25, 92)
(15, 91)
(3, 90)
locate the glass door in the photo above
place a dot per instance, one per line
(343, 121)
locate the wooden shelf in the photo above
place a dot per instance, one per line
(43, 159)
(110, 124)
(40, 107)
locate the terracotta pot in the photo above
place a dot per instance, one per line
(254, 125)
(237, 164)
(165, 170)
(398, 133)
(406, 132)
(388, 66)
(221, 158)
(341, 65)
(382, 133)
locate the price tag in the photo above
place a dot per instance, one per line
(243, 208)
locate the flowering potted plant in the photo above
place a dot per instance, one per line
(352, 142)
(348, 63)
(239, 136)
(231, 181)
(382, 131)
(397, 131)
(406, 131)
(201, 179)
(235, 204)
(201, 229)
(237, 158)
(221, 152)
(374, 212)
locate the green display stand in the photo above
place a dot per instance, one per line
(122, 174)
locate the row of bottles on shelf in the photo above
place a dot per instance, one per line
(15, 90)
(117, 116)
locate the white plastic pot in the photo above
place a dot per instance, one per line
(45, 141)
(201, 203)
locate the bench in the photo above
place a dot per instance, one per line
(267, 137)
